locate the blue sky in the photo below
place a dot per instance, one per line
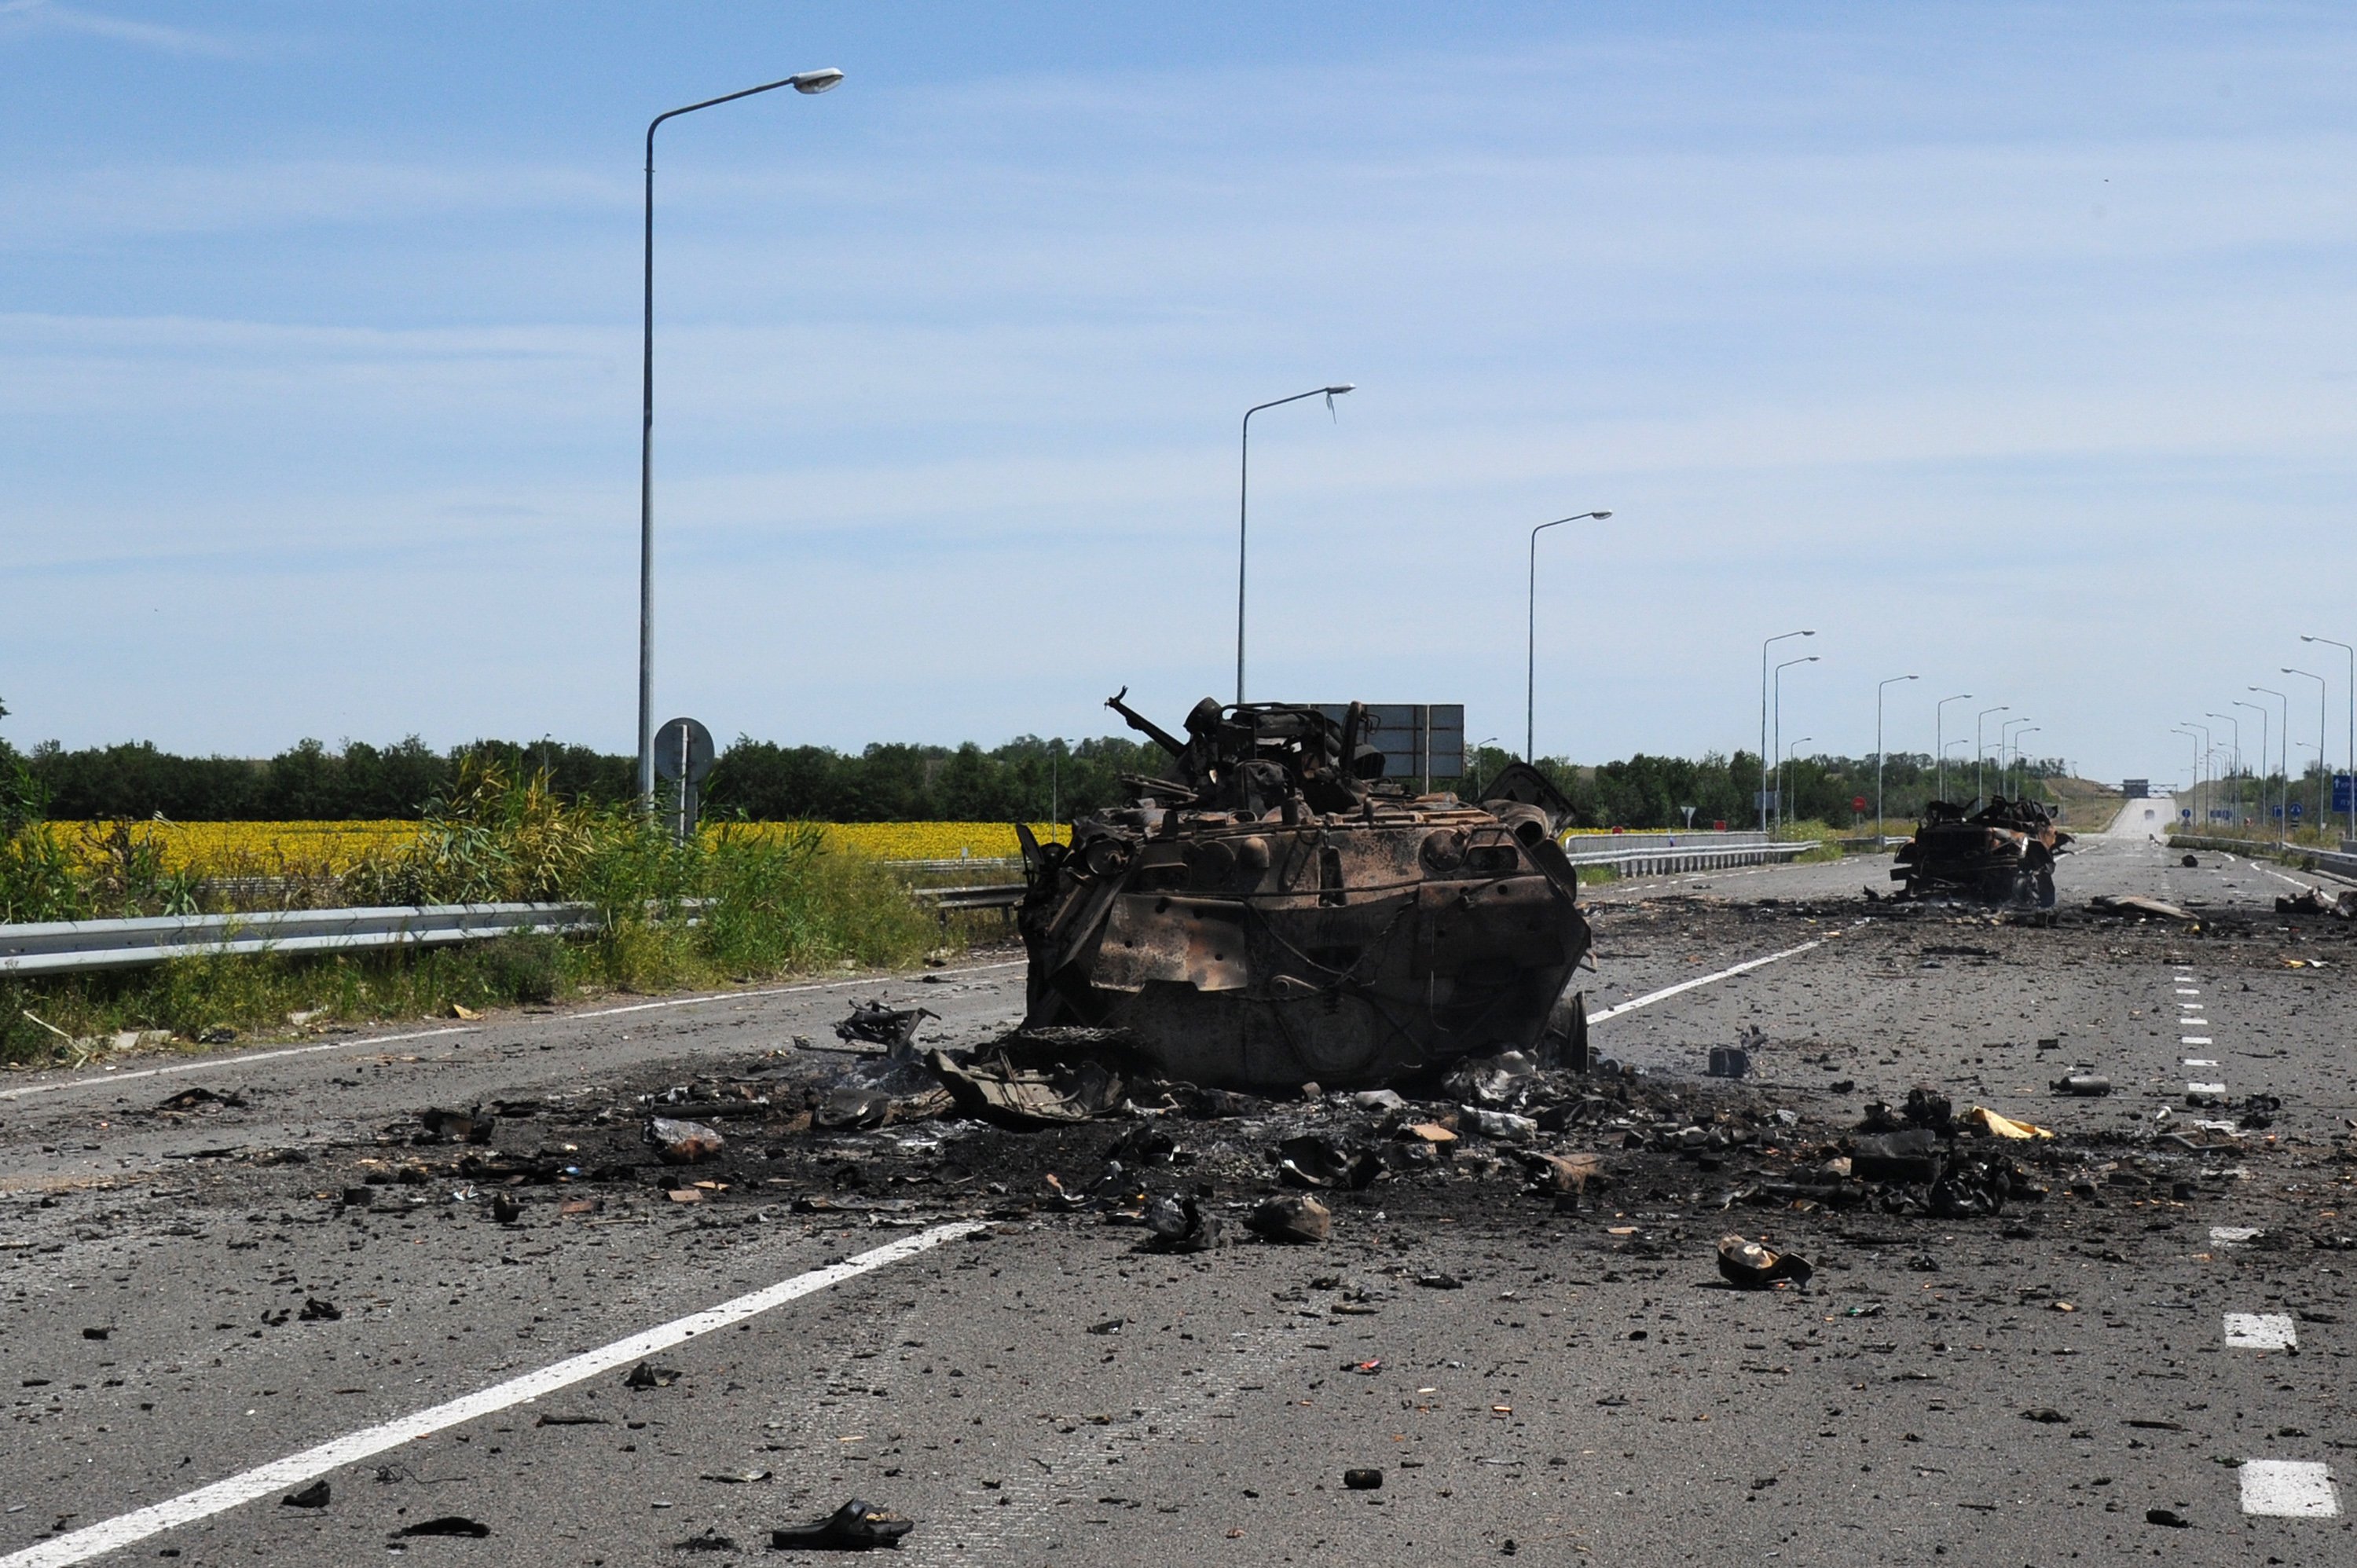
(2010, 345)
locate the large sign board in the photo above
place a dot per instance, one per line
(1420, 741)
(2136, 789)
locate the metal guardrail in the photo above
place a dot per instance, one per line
(1643, 861)
(64, 947)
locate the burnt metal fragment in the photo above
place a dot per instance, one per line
(858, 1526)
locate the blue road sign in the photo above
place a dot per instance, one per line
(2185, 815)
(2340, 792)
(2295, 811)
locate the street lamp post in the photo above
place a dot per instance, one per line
(1778, 742)
(2283, 751)
(1243, 499)
(2021, 782)
(1939, 737)
(806, 82)
(2322, 691)
(2352, 652)
(2205, 802)
(1785, 760)
(2004, 741)
(1980, 746)
(2234, 741)
(1531, 677)
(1477, 763)
(2187, 734)
(1764, 758)
(1894, 681)
(2259, 709)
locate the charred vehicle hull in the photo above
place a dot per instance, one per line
(2003, 853)
(1273, 915)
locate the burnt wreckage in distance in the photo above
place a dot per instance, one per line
(2003, 852)
(1272, 913)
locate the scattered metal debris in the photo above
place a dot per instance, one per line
(858, 1526)
(1750, 1266)
(682, 1143)
(894, 1028)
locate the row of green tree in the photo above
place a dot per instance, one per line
(1028, 778)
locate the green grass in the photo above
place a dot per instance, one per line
(736, 906)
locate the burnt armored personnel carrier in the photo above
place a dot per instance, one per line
(2002, 853)
(1269, 911)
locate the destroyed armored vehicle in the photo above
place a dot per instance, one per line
(1270, 912)
(2002, 853)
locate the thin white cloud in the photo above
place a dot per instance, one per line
(30, 18)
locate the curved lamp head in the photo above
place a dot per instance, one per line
(816, 80)
(1339, 388)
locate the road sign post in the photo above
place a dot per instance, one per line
(684, 756)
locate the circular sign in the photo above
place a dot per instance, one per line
(1857, 803)
(684, 750)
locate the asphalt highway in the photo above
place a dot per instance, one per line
(2154, 1362)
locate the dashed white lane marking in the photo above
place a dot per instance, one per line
(231, 1063)
(2195, 1040)
(228, 1064)
(2224, 1235)
(97, 1539)
(2288, 1488)
(2205, 1088)
(1669, 990)
(2260, 1331)
(2200, 1061)
(2186, 990)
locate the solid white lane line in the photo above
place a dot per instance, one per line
(2261, 1331)
(2288, 1488)
(97, 1539)
(1669, 990)
(230, 1063)
(781, 991)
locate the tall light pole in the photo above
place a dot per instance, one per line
(1894, 681)
(2322, 691)
(1778, 742)
(1939, 737)
(1785, 761)
(806, 82)
(2196, 739)
(2207, 803)
(1531, 678)
(2021, 784)
(1243, 504)
(2283, 751)
(2352, 652)
(2261, 710)
(2004, 740)
(1764, 757)
(1980, 746)
(2234, 741)
(1475, 752)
